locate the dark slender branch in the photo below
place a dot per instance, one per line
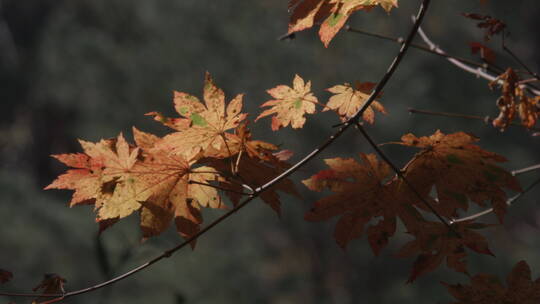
(509, 202)
(519, 61)
(524, 170)
(481, 65)
(476, 71)
(395, 63)
(485, 119)
(400, 175)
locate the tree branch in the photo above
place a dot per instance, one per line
(481, 65)
(476, 71)
(524, 170)
(353, 120)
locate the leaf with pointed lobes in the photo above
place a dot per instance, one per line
(331, 14)
(290, 104)
(487, 288)
(434, 243)
(103, 176)
(348, 100)
(209, 122)
(51, 284)
(460, 171)
(363, 192)
(5, 276)
(177, 189)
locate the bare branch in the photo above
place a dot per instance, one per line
(399, 40)
(476, 71)
(517, 59)
(524, 170)
(485, 119)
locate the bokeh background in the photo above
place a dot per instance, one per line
(90, 69)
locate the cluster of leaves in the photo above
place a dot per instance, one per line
(172, 177)
(515, 100)
(368, 193)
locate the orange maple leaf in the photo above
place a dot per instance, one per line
(290, 104)
(434, 244)
(120, 179)
(104, 177)
(177, 189)
(348, 100)
(459, 170)
(332, 14)
(487, 288)
(362, 193)
(208, 122)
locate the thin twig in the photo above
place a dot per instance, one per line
(400, 175)
(509, 202)
(481, 65)
(517, 59)
(476, 71)
(524, 170)
(485, 119)
(388, 74)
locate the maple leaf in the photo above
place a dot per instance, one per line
(348, 100)
(459, 171)
(290, 104)
(434, 243)
(361, 194)
(208, 122)
(486, 288)
(103, 176)
(177, 190)
(331, 14)
(120, 179)
(86, 179)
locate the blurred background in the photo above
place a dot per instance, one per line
(90, 69)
